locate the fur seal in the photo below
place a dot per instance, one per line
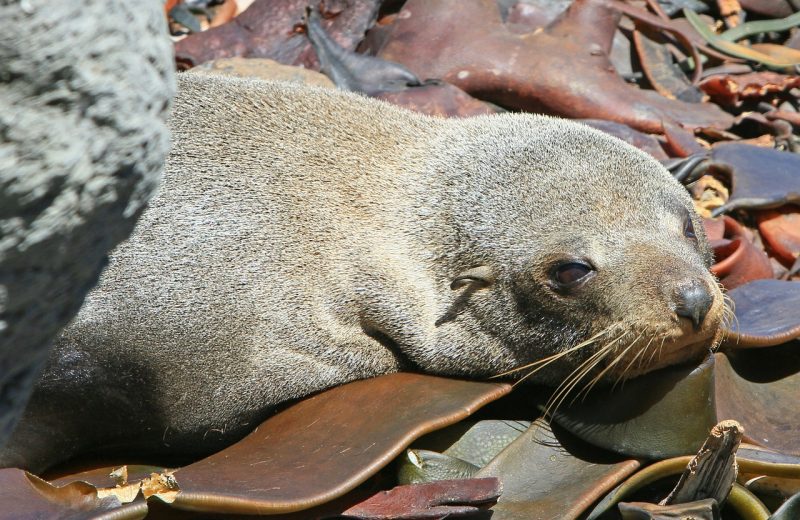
(303, 238)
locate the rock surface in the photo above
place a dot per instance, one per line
(85, 88)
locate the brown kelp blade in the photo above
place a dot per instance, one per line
(352, 71)
(738, 261)
(766, 314)
(324, 446)
(760, 177)
(733, 89)
(664, 75)
(267, 29)
(546, 475)
(108, 476)
(465, 42)
(434, 500)
(24, 496)
(759, 388)
(780, 229)
(387, 80)
(310, 454)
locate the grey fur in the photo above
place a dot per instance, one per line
(303, 238)
(85, 87)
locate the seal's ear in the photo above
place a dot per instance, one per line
(477, 277)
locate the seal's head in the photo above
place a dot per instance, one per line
(580, 249)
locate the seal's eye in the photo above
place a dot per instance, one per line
(688, 229)
(571, 274)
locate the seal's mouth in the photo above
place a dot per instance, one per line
(633, 354)
(624, 351)
(681, 344)
(670, 352)
(675, 342)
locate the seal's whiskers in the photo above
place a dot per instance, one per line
(578, 374)
(583, 374)
(729, 317)
(550, 359)
(611, 365)
(656, 336)
(660, 347)
(621, 376)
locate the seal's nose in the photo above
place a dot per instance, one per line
(693, 301)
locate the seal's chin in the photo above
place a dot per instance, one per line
(682, 348)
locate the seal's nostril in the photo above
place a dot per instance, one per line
(693, 301)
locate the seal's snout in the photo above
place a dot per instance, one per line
(693, 301)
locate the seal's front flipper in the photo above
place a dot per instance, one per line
(352, 71)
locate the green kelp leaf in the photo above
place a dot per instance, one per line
(552, 475)
(646, 416)
(779, 62)
(761, 26)
(789, 510)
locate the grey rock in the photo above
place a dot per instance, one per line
(85, 87)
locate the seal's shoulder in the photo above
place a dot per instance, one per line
(289, 97)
